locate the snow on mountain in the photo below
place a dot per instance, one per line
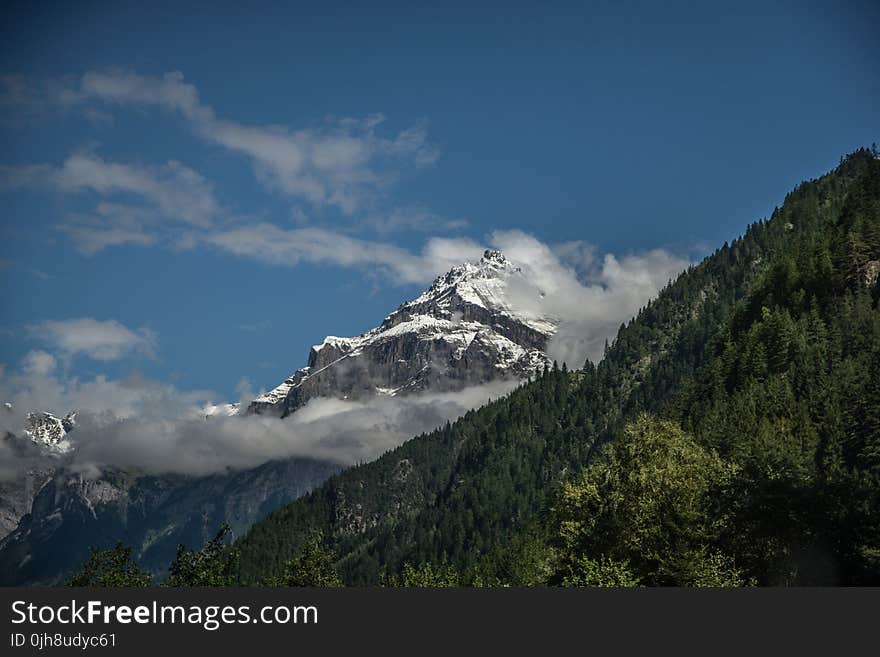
(49, 431)
(486, 285)
(465, 329)
(220, 410)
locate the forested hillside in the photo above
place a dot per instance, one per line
(792, 399)
(763, 358)
(765, 468)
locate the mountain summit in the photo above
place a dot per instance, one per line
(49, 431)
(473, 325)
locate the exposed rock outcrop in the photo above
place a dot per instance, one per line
(464, 330)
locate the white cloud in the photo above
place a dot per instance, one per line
(590, 296)
(139, 423)
(178, 192)
(168, 91)
(288, 247)
(38, 362)
(255, 327)
(172, 193)
(342, 163)
(39, 273)
(345, 432)
(413, 219)
(100, 340)
(23, 98)
(89, 240)
(25, 175)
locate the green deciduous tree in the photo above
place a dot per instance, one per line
(425, 575)
(643, 513)
(216, 564)
(110, 568)
(312, 567)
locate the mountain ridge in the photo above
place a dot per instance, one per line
(461, 331)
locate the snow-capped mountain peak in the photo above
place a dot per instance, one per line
(219, 410)
(50, 431)
(475, 323)
(486, 284)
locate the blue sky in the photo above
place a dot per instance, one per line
(199, 195)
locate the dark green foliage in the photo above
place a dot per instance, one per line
(774, 339)
(791, 398)
(313, 566)
(599, 573)
(214, 565)
(644, 514)
(425, 576)
(527, 559)
(110, 568)
(413, 504)
(778, 480)
(675, 335)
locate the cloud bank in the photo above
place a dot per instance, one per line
(590, 296)
(343, 162)
(155, 427)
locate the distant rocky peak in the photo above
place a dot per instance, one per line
(50, 431)
(495, 263)
(467, 328)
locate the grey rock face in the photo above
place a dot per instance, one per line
(31, 464)
(152, 514)
(17, 495)
(464, 330)
(49, 431)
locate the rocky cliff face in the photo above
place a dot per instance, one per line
(17, 494)
(153, 514)
(49, 431)
(463, 330)
(34, 456)
(51, 514)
